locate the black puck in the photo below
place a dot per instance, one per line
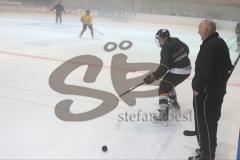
(104, 148)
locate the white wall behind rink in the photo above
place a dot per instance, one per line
(179, 20)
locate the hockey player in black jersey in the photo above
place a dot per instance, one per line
(174, 68)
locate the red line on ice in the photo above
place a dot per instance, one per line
(61, 60)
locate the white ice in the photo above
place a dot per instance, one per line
(32, 47)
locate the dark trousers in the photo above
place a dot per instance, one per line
(59, 16)
(207, 112)
(170, 81)
(85, 28)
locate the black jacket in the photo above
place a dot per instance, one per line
(212, 66)
(59, 8)
(174, 54)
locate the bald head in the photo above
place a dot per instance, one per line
(206, 28)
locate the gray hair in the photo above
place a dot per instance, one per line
(211, 25)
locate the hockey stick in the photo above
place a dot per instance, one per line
(231, 45)
(189, 133)
(230, 39)
(132, 89)
(97, 31)
(234, 65)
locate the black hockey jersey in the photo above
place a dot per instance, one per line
(174, 56)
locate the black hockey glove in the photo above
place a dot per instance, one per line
(149, 79)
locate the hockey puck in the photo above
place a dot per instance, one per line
(104, 148)
(189, 133)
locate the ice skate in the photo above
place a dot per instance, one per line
(174, 104)
(162, 116)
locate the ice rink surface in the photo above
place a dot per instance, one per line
(32, 46)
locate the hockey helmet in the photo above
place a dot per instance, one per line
(162, 33)
(161, 36)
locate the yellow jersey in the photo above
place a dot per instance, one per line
(86, 19)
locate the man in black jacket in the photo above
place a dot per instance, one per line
(212, 68)
(59, 9)
(174, 68)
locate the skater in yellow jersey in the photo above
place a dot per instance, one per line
(87, 22)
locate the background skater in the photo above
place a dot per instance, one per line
(59, 10)
(87, 22)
